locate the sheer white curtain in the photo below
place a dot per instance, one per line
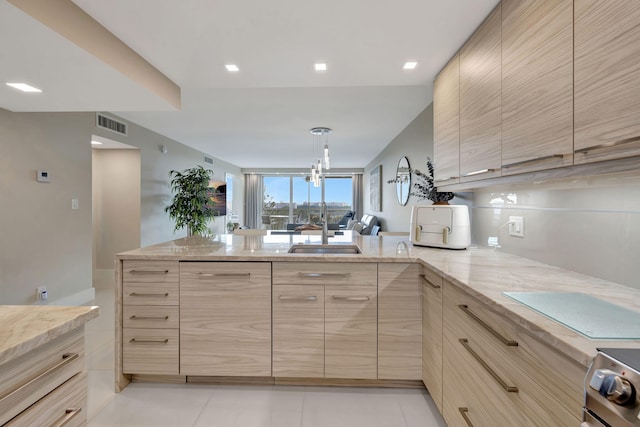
(356, 186)
(253, 196)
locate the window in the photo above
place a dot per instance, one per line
(294, 199)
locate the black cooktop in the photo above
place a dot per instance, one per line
(626, 356)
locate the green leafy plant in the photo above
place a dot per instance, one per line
(191, 206)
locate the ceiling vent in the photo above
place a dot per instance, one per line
(208, 160)
(113, 125)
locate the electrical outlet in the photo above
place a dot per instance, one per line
(41, 293)
(516, 226)
(74, 204)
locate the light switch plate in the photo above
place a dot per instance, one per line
(516, 226)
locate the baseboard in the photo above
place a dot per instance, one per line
(79, 298)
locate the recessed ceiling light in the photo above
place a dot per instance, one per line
(410, 65)
(24, 87)
(320, 66)
(232, 68)
(96, 143)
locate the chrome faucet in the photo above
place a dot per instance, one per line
(325, 227)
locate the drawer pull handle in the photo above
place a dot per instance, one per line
(465, 414)
(507, 388)
(479, 172)
(149, 271)
(532, 161)
(292, 298)
(160, 341)
(67, 358)
(316, 275)
(134, 317)
(428, 282)
(482, 323)
(608, 145)
(135, 294)
(69, 414)
(203, 275)
(337, 297)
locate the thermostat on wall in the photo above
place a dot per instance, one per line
(43, 176)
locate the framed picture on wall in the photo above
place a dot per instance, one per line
(375, 188)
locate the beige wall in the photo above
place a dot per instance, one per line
(155, 193)
(44, 241)
(416, 143)
(116, 204)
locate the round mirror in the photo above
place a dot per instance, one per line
(403, 181)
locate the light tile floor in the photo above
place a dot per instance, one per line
(176, 405)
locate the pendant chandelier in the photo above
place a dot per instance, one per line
(321, 148)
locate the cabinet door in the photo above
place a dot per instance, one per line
(537, 85)
(446, 123)
(298, 331)
(480, 101)
(351, 331)
(432, 335)
(607, 71)
(225, 318)
(399, 322)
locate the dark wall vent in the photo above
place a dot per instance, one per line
(113, 125)
(208, 160)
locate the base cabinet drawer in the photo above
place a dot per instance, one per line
(153, 317)
(25, 380)
(150, 351)
(64, 406)
(542, 386)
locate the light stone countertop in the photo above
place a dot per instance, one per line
(25, 327)
(482, 272)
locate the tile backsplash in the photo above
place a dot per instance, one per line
(588, 225)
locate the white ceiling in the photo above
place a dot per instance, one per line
(259, 117)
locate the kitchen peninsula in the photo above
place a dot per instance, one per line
(233, 308)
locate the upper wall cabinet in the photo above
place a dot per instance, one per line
(607, 76)
(446, 124)
(480, 101)
(537, 85)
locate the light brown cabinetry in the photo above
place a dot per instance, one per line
(27, 384)
(446, 124)
(480, 101)
(537, 85)
(350, 319)
(501, 374)
(225, 318)
(350, 331)
(298, 331)
(432, 334)
(399, 321)
(150, 335)
(607, 71)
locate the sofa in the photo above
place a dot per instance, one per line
(364, 225)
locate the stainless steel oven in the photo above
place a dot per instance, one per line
(612, 389)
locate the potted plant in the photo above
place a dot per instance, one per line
(191, 206)
(424, 187)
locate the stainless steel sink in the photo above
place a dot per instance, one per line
(324, 249)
